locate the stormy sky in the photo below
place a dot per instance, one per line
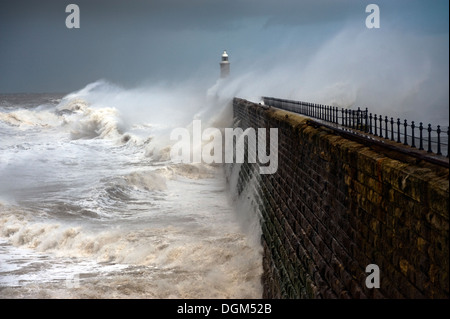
(138, 42)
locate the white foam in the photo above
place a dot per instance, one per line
(98, 189)
(29, 118)
(194, 250)
(147, 180)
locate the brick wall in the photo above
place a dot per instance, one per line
(335, 206)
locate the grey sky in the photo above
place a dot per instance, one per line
(132, 42)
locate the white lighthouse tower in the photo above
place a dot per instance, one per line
(224, 65)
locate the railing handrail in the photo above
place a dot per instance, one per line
(428, 139)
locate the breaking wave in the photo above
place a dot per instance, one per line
(87, 122)
(95, 195)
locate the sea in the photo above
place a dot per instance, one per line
(92, 206)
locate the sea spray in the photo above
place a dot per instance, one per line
(97, 216)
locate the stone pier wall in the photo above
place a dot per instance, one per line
(335, 206)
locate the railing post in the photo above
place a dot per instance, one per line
(342, 111)
(376, 120)
(330, 117)
(421, 136)
(386, 135)
(335, 115)
(362, 121)
(370, 124)
(358, 114)
(392, 129)
(336, 111)
(406, 135)
(381, 126)
(438, 131)
(413, 143)
(429, 139)
(366, 117)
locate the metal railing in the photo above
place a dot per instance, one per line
(422, 137)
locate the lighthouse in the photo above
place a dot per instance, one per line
(224, 65)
